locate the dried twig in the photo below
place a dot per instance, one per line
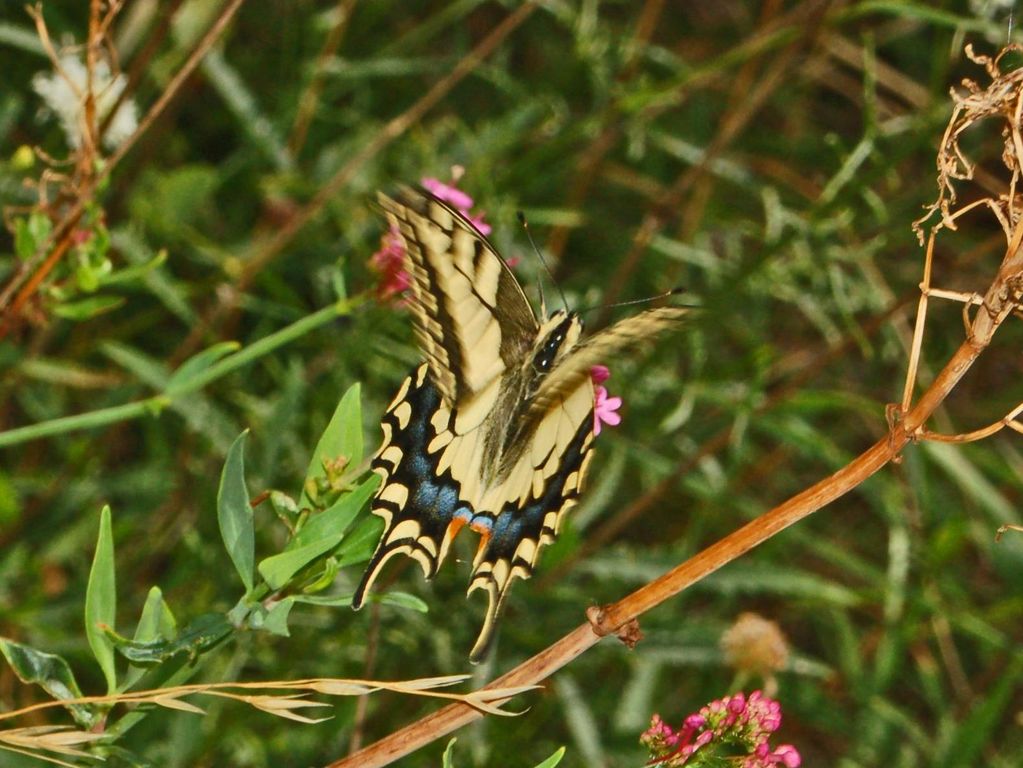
(1003, 296)
(39, 262)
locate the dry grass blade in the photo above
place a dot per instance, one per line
(283, 706)
(426, 683)
(53, 738)
(341, 688)
(275, 703)
(173, 702)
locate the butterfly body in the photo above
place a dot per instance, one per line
(494, 429)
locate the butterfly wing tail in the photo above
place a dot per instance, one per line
(511, 546)
(421, 512)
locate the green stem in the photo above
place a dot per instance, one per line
(153, 405)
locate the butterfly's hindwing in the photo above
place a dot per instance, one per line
(421, 506)
(543, 486)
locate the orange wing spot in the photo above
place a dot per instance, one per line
(484, 532)
(453, 528)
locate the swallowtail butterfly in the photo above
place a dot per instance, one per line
(494, 429)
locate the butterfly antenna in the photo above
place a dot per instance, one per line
(529, 236)
(658, 297)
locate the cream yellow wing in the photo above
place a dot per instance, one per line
(472, 320)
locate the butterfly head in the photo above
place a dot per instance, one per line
(558, 335)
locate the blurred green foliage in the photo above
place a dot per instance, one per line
(769, 157)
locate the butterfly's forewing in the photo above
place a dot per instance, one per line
(472, 320)
(596, 350)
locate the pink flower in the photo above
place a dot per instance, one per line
(787, 755)
(389, 262)
(715, 732)
(605, 409)
(458, 199)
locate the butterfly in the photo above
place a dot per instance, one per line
(493, 430)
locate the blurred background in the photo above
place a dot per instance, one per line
(769, 157)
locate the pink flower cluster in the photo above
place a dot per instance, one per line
(605, 409)
(734, 726)
(389, 263)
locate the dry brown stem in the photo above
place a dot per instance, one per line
(35, 269)
(1004, 98)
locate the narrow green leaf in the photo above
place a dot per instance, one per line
(101, 600)
(148, 627)
(201, 634)
(448, 761)
(234, 514)
(336, 519)
(978, 731)
(553, 760)
(87, 308)
(397, 599)
(342, 437)
(137, 272)
(181, 379)
(148, 369)
(277, 570)
(320, 534)
(155, 621)
(52, 673)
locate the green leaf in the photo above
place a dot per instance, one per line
(358, 546)
(148, 369)
(234, 514)
(52, 673)
(193, 366)
(101, 600)
(553, 760)
(87, 308)
(276, 619)
(449, 754)
(979, 730)
(201, 634)
(156, 623)
(342, 437)
(397, 599)
(137, 272)
(30, 233)
(321, 533)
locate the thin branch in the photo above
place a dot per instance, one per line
(311, 95)
(978, 434)
(269, 249)
(141, 61)
(75, 211)
(613, 617)
(918, 327)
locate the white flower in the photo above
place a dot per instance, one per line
(64, 94)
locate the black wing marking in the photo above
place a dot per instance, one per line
(422, 509)
(472, 320)
(524, 513)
